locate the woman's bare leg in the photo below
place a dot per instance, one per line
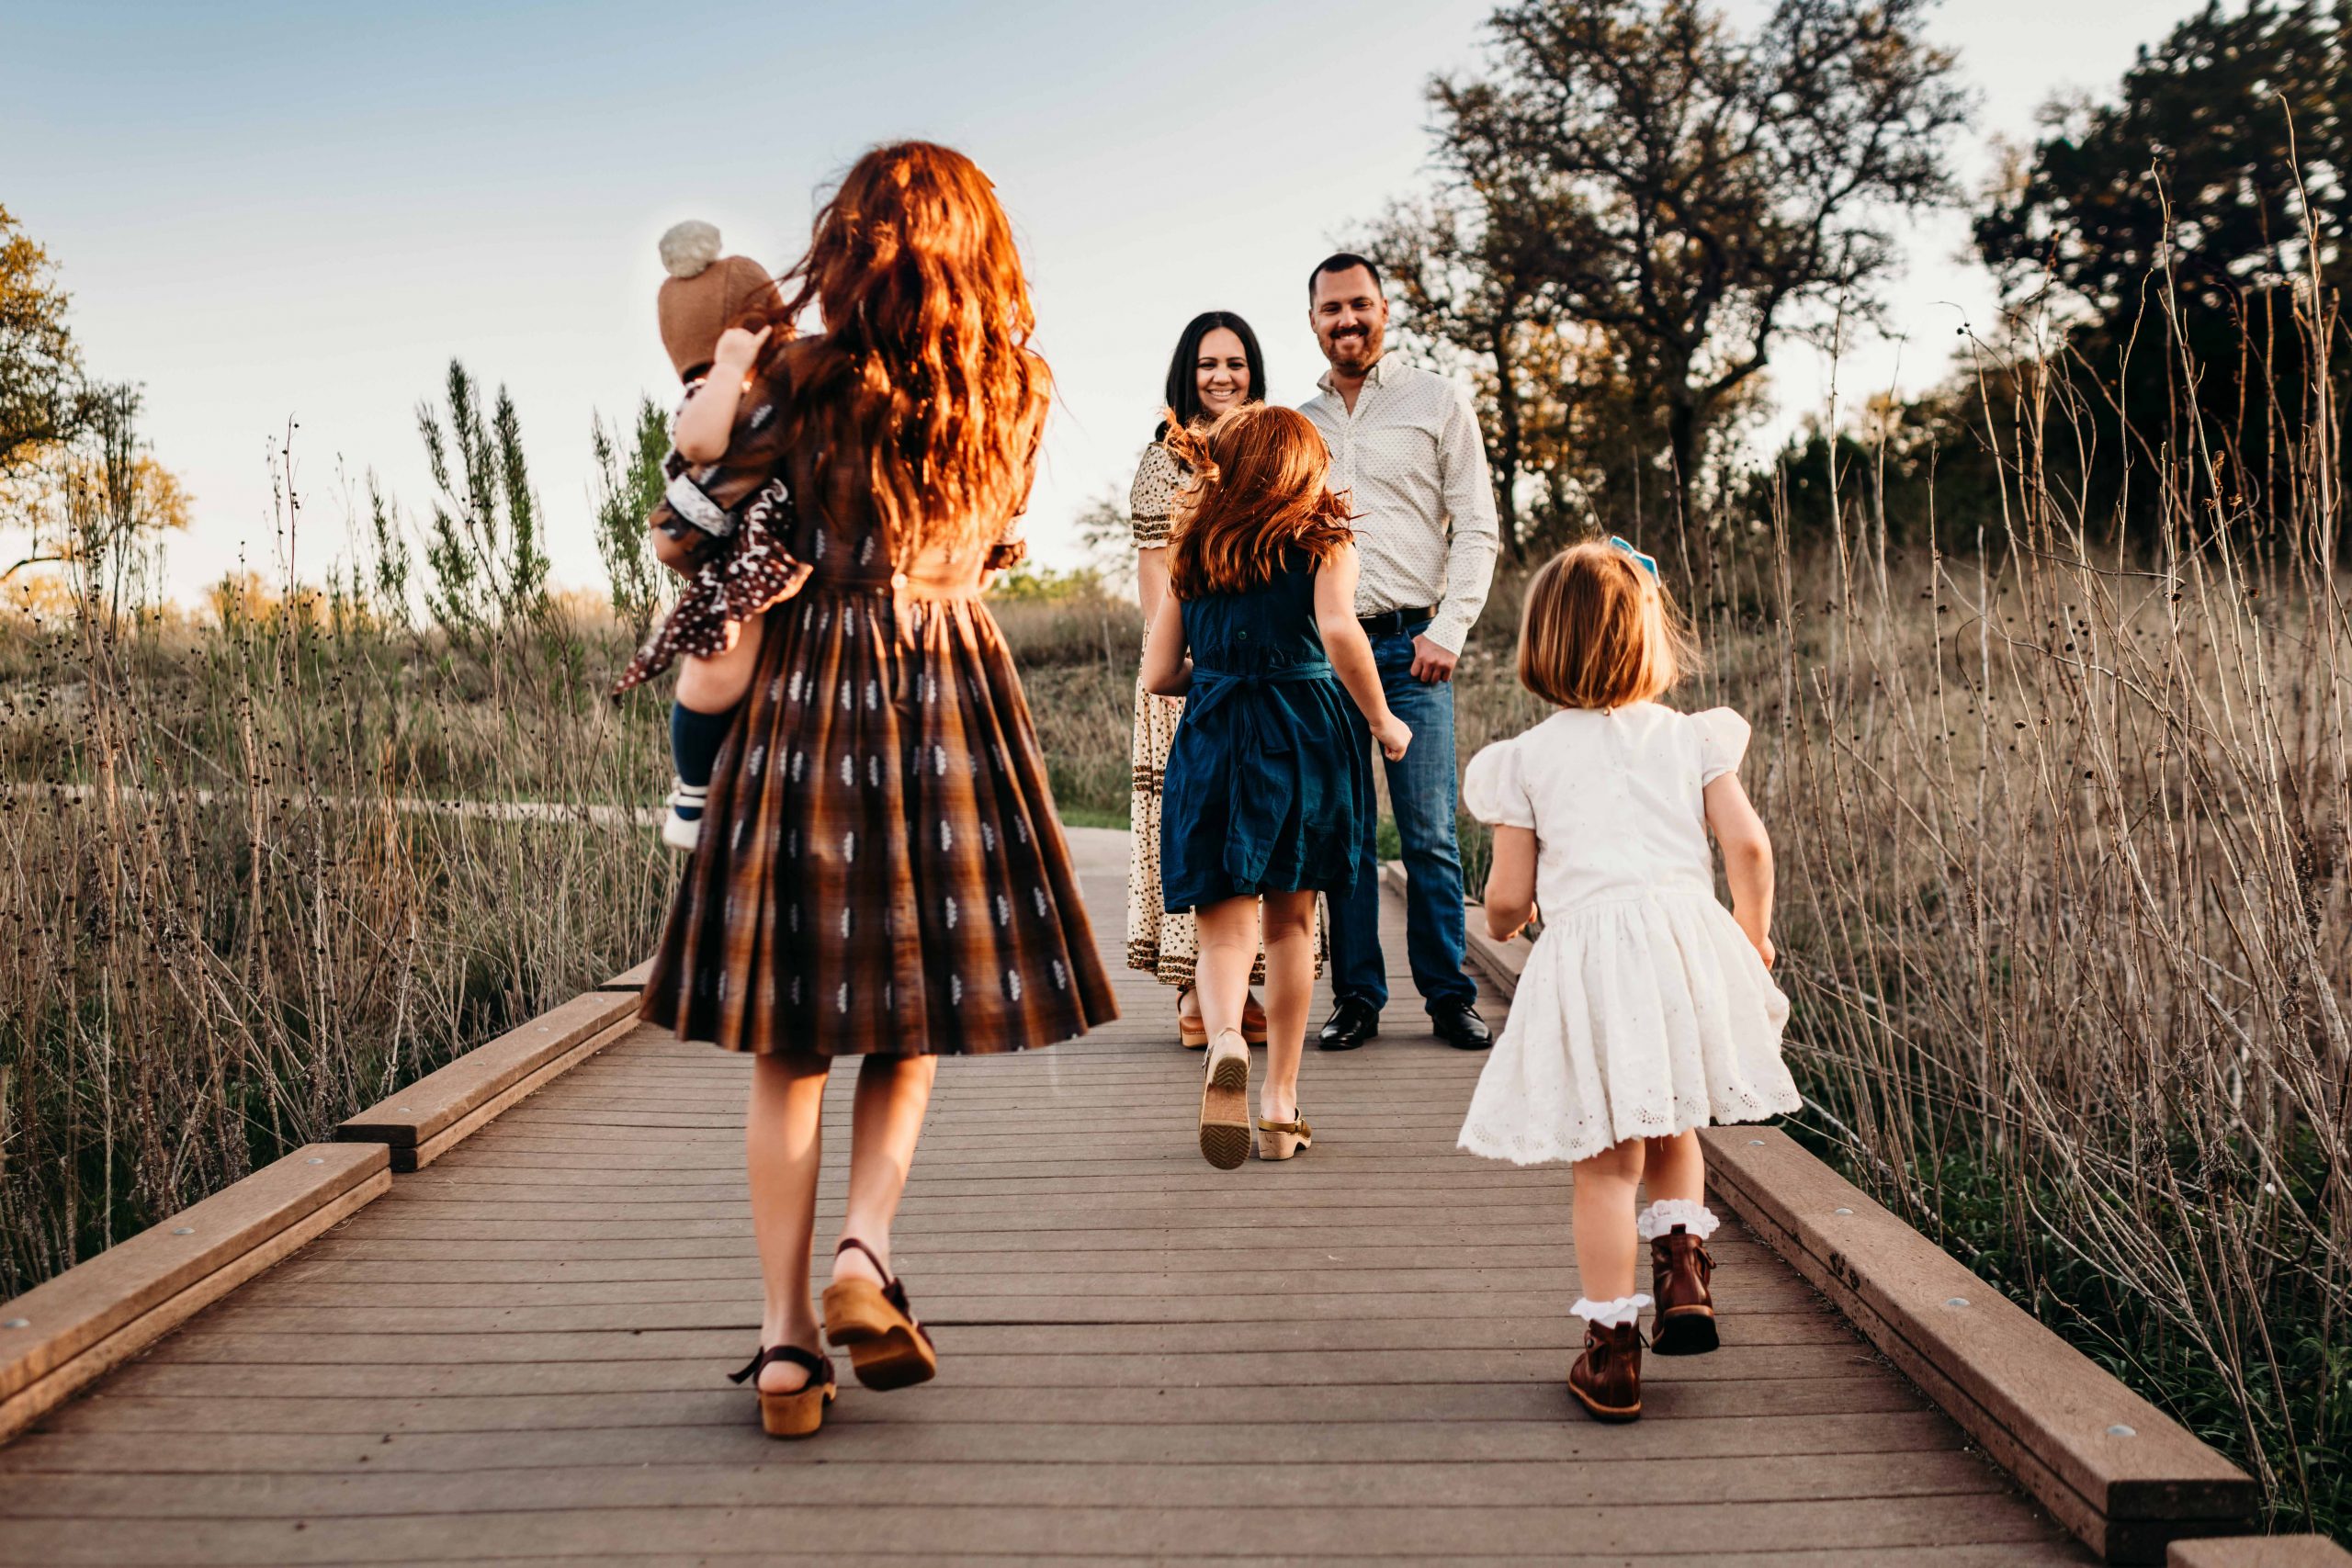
(783, 1134)
(893, 1092)
(717, 683)
(1289, 923)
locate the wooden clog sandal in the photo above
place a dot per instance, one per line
(1192, 1028)
(802, 1411)
(1253, 1021)
(888, 1348)
(1283, 1140)
(1224, 1101)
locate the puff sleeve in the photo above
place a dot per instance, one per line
(1152, 498)
(1493, 789)
(1723, 740)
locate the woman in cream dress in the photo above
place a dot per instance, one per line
(1217, 366)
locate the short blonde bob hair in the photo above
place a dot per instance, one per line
(1598, 631)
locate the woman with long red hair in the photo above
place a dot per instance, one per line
(1265, 786)
(880, 874)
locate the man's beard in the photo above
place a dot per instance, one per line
(1347, 344)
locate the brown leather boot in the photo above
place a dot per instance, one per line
(1681, 1269)
(1607, 1379)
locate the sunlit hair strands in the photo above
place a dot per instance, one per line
(1597, 631)
(1257, 491)
(925, 361)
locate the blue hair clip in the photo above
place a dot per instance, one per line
(1647, 563)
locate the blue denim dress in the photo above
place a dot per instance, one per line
(1269, 784)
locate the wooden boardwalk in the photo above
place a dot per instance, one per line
(518, 1353)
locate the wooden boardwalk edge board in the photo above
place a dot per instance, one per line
(2259, 1551)
(2116, 1470)
(430, 1116)
(66, 1331)
(631, 980)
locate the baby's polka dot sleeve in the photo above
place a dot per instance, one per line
(1722, 741)
(1493, 789)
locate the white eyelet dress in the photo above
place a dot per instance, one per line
(1643, 1010)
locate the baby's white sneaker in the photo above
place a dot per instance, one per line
(681, 829)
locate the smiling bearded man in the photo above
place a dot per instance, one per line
(1406, 453)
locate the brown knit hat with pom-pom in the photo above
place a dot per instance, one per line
(703, 295)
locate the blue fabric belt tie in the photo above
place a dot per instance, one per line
(1250, 774)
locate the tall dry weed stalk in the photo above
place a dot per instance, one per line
(2063, 828)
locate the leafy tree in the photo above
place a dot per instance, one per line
(628, 486)
(1642, 169)
(1570, 434)
(482, 546)
(42, 401)
(1465, 270)
(383, 563)
(2184, 235)
(98, 505)
(2223, 155)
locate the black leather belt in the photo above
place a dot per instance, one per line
(1391, 623)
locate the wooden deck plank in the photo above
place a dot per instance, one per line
(243, 1348)
(1527, 1442)
(1074, 1442)
(1918, 1525)
(885, 1481)
(1353, 1357)
(1871, 1390)
(1199, 1368)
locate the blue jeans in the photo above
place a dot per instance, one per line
(1421, 791)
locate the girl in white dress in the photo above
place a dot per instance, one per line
(1647, 1010)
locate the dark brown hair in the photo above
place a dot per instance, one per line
(1257, 493)
(1598, 631)
(1343, 261)
(1183, 372)
(924, 365)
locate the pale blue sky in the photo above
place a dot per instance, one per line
(266, 211)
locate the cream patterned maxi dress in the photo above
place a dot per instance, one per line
(1161, 944)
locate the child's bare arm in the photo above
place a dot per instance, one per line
(1511, 883)
(1167, 671)
(1349, 650)
(1748, 859)
(708, 419)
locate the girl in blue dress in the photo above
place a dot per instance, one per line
(1265, 790)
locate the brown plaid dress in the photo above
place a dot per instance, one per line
(880, 868)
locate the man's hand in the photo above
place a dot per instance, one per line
(1432, 663)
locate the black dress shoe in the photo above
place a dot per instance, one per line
(1459, 1025)
(1352, 1021)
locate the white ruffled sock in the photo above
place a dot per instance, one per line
(1661, 1217)
(1611, 1314)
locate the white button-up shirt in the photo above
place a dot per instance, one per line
(1409, 460)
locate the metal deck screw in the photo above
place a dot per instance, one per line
(1955, 1301)
(17, 1323)
(2120, 1431)
(1755, 1143)
(316, 1159)
(1841, 1211)
(183, 1230)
